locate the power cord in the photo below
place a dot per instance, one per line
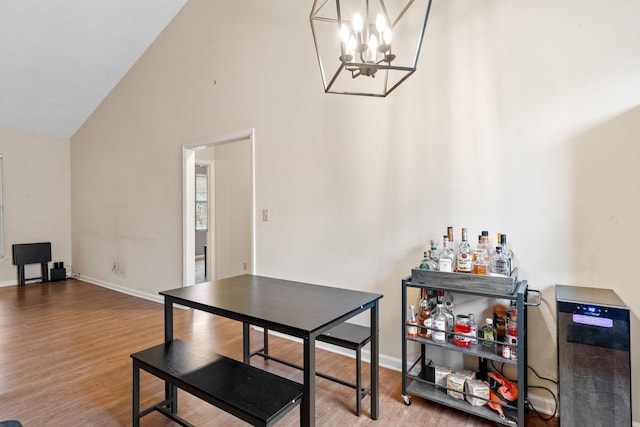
(500, 370)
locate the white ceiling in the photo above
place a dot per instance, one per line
(60, 58)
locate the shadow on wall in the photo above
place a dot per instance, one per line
(607, 210)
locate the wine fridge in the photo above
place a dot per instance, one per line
(594, 358)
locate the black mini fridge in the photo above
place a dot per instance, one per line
(594, 357)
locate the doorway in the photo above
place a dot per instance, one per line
(231, 207)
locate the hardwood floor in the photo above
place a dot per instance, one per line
(64, 361)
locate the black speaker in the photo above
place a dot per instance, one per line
(57, 274)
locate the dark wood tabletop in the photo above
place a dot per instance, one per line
(300, 308)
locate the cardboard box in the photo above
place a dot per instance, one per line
(475, 389)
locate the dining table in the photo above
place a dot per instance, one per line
(297, 309)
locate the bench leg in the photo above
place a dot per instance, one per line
(171, 395)
(265, 341)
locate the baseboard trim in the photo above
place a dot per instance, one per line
(122, 289)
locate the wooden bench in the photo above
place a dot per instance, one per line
(345, 335)
(256, 396)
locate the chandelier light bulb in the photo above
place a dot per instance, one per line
(381, 23)
(351, 45)
(357, 23)
(386, 35)
(373, 47)
(344, 34)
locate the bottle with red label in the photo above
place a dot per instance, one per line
(464, 255)
(462, 331)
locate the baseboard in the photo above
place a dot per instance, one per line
(122, 289)
(8, 283)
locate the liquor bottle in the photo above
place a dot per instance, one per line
(500, 263)
(427, 263)
(424, 318)
(489, 334)
(511, 332)
(500, 318)
(412, 328)
(447, 303)
(439, 323)
(434, 251)
(480, 256)
(450, 237)
(508, 252)
(486, 244)
(446, 257)
(474, 329)
(464, 255)
(480, 265)
(478, 250)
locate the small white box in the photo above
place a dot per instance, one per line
(441, 375)
(477, 388)
(455, 383)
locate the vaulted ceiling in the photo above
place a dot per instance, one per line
(60, 58)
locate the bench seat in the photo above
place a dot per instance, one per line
(256, 396)
(345, 335)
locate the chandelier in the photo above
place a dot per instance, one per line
(373, 45)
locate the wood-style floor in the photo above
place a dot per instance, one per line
(64, 361)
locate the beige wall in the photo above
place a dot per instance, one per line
(522, 118)
(37, 200)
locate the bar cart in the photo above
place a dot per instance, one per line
(416, 379)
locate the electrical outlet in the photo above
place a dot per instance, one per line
(265, 214)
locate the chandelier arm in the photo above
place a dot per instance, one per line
(315, 11)
(335, 76)
(404, 10)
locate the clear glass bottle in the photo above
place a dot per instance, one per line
(439, 323)
(412, 322)
(474, 329)
(434, 251)
(486, 244)
(446, 257)
(447, 305)
(480, 264)
(478, 250)
(427, 262)
(464, 255)
(424, 318)
(450, 237)
(500, 263)
(489, 334)
(507, 252)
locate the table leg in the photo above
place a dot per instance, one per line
(170, 391)
(375, 363)
(308, 410)
(135, 422)
(246, 344)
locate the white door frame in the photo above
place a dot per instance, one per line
(188, 198)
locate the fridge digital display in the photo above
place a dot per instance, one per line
(602, 322)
